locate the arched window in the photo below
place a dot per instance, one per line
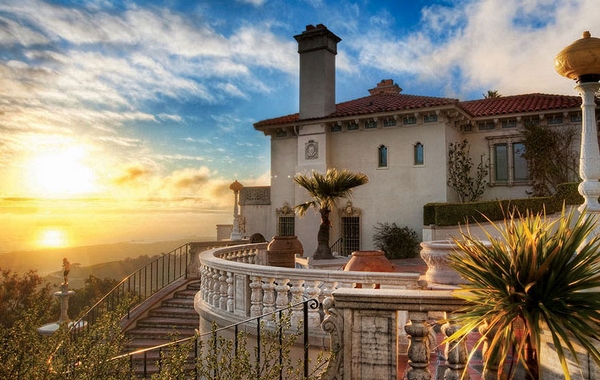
(382, 156)
(418, 154)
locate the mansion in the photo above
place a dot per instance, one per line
(399, 141)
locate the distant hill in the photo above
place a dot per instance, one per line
(50, 260)
(115, 269)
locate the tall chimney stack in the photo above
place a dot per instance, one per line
(317, 47)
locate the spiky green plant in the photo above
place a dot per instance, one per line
(538, 273)
(325, 190)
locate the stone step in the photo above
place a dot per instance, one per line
(169, 322)
(188, 294)
(178, 302)
(159, 333)
(176, 312)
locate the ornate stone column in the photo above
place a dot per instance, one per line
(580, 61)
(235, 233)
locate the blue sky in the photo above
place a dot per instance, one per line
(158, 98)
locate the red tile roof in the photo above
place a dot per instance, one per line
(378, 103)
(507, 105)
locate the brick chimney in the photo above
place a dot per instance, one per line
(317, 47)
(386, 86)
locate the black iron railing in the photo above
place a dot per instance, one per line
(138, 286)
(338, 247)
(145, 361)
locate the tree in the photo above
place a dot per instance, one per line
(20, 293)
(460, 166)
(550, 158)
(492, 94)
(325, 190)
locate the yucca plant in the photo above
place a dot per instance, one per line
(537, 273)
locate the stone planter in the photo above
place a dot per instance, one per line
(282, 251)
(435, 254)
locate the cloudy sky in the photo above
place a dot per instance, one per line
(157, 99)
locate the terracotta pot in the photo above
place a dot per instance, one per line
(369, 261)
(282, 250)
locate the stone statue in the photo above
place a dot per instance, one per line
(66, 269)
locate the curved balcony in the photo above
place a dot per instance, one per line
(235, 286)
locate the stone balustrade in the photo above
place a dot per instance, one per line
(234, 286)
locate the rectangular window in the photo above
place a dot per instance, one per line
(509, 123)
(352, 126)
(519, 162)
(336, 128)
(409, 120)
(286, 226)
(486, 126)
(501, 160)
(576, 118)
(370, 124)
(431, 118)
(390, 122)
(280, 133)
(555, 120)
(350, 227)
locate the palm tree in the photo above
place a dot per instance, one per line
(492, 94)
(325, 190)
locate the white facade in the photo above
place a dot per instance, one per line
(353, 135)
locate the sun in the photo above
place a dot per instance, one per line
(51, 237)
(61, 173)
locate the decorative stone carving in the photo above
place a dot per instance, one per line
(418, 346)
(255, 195)
(334, 325)
(435, 254)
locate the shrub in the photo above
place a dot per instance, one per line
(396, 242)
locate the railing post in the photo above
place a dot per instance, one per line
(418, 346)
(455, 352)
(490, 371)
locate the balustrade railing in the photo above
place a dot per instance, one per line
(143, 363)
(234, 285)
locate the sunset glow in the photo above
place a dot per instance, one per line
(52, 237)
(60, 174)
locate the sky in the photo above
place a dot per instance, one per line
(120, 102)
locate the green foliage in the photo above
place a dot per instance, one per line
(326, 189)
(396, 242)
(550, 157)
(449, 214)
(19, 294)
(94, 289)
(538, 272)
(469, 186)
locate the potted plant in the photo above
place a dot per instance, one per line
(539, 276)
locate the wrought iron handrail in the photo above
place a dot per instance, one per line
(337, 247)
(139, 285)
(311, 303)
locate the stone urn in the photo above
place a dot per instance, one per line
(435, 254)
(282, 251)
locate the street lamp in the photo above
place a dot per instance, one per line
(235, 232)
(581, 61)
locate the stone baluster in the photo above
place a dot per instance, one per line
(230, 292)
(297, 291)
(328, 288)
(283, 293)
(209, 285)
(255, 296)
(223, 290)
(216, 287)
(203, 286)
(313, 290)
(455, 352)
(417, 330)
(268, 288)
(491, 361)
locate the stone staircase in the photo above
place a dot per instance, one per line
(175, 316)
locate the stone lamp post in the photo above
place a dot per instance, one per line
(235, 232)
(581, 61)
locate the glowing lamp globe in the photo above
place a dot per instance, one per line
(580, 60)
